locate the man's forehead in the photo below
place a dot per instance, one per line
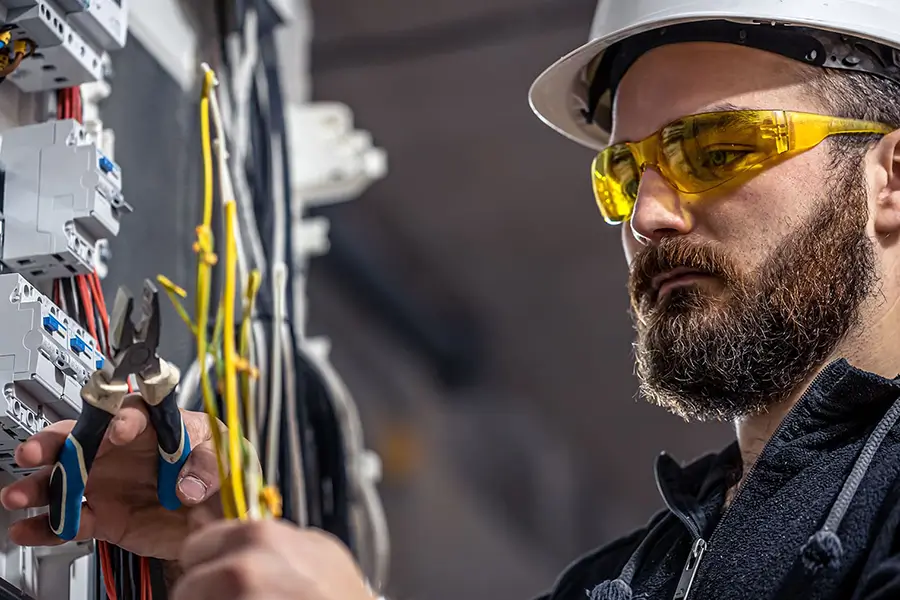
(673, 81)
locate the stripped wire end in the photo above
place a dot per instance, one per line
(175, 294)
(210, 79)
(270, 499)
(243, 366)
(171, 286)
(204, 245)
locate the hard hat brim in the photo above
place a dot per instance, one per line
(558, 95)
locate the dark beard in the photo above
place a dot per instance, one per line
(720, 356)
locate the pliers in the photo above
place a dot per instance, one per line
(133, 347)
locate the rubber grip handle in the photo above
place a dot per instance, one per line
(174, 449)
(70, 473)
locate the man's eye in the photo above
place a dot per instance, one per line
(723, 158)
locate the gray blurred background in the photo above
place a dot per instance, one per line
(504, 401)
(475, 299)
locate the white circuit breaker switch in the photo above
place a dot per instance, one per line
(64, 57)
(332, 162)
(103, 21)
(61, 195)
(45, 358)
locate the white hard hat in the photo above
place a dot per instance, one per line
(574, 95)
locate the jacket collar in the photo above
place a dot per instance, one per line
(841, 398)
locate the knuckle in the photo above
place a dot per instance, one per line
(240, 576)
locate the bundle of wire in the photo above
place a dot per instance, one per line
(121, 575)
(243, 493)
(304, 420)
(12, 52)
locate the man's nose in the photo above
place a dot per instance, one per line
(659, 211)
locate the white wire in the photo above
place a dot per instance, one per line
(243, 50)
(226, 185)
(190, 382)
(294, 446)
(243, 53)
(262, 365)
(279, 285)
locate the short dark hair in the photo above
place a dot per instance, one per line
(856, 95)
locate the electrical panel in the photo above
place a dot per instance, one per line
(71, 39)
(45, 358)
(61, 195)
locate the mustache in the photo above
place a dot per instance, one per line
(676, 253)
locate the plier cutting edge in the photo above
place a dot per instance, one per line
(133, 347)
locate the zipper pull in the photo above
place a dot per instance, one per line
(690, 570)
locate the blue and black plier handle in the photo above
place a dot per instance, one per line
(102, 397)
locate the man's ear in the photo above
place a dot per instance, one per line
(883, 176)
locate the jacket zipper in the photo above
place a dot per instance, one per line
(698, 549)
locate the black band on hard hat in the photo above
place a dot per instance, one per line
(810, 46)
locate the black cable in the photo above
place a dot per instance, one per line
(308, 438)
(118, 580)
(158, 580)
(134, 575)
(98, 575)
(72, 306)
(101, 334)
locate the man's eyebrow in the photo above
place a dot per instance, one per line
(725, 106)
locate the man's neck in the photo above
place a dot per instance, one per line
(863, 351)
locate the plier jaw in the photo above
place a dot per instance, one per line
(134, 343)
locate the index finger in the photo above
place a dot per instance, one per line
(42, 448)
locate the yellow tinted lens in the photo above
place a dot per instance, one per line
(701, 152)
(615, 176)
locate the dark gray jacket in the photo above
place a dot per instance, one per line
(817, 518)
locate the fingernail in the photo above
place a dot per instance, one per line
(192, 488)
(114, 431)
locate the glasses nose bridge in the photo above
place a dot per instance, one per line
(645, 153)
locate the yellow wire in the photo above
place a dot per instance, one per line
(206, 259)
(248, 373)
(174, 292)
(235, 445)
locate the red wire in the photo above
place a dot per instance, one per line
(146, 583)
(69, 104)
(97, 293)
(84, 283)
(77, 108)
(106, 565)
(87, 304)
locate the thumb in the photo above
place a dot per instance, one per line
(199, 477)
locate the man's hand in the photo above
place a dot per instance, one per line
(121, 503)
(243, 560)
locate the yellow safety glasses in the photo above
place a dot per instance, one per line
(701, 152)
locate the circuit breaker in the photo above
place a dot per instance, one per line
(45, 358)
(63, 57)
(72, 38)
(102, 21)
(60, 195)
